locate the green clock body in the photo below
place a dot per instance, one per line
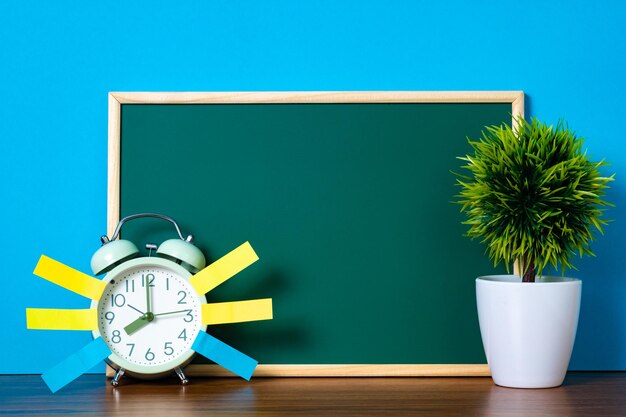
(149, 315)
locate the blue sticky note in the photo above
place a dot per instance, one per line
(224, 355)
(76, 364)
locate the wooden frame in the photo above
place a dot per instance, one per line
(116, 99)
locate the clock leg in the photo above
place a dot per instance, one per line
(181, 375)
(118, 375)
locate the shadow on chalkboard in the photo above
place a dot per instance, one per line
(252, 338)
(265, 284)
(287, 335)
(286, 330)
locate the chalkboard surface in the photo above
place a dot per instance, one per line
(348, 206)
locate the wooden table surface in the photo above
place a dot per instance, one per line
(583, 394)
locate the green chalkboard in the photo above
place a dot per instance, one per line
(348, 206)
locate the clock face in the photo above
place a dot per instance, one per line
(149, 316)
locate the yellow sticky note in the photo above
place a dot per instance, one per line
(61, 319)
(224, 268)
(69, 278)
(237, 311)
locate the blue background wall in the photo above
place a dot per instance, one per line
(59, 59)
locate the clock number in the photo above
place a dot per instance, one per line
(188, 315)
(132, 347)
(149, 355)
(168, 348)
(109, 315)
(116, 336)
(118, 300)
(149, 278)
(183, 335)
(182, 298)
(130, 285)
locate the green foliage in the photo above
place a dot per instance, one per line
(532, 194)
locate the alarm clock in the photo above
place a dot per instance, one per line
(149, 314)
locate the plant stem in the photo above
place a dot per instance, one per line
(529, 270)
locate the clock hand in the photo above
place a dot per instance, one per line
(170, 312)
(147, 283)
(136, 309)
(140, 323)
(136, 325)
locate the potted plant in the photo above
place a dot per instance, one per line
(535, 198)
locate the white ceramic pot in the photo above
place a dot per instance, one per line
(528, 329)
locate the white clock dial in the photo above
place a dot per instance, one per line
(149, 329)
